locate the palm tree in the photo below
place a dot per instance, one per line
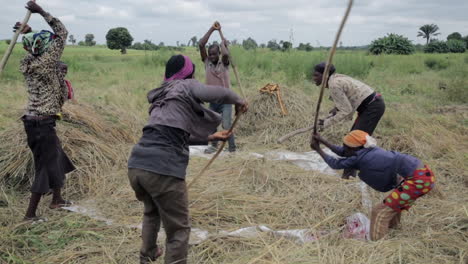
(427, 31)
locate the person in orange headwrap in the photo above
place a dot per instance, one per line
(383, 171)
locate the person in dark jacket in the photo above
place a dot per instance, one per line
(158, 162)
(383, 171)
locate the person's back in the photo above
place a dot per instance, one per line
(379, 168)
(355, 90)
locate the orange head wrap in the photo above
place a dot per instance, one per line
(355, 138)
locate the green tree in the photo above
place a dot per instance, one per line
(119, 39)
(81, 43)
(193, 41)
(427, 31)
(89, 40)
(273, 45)
(436, 46)
(249, 43)
(391, 44)
(305, 47)
(285, 45)
(466, 40)
(455, 35)
(456, 46)
(72, 39)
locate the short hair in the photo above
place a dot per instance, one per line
(321, 68)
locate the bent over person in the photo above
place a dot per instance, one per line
(217, 73)
(383, 171)
(158, 162)
(350, 95)
(47, 93)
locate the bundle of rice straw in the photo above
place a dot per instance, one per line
(94, 143)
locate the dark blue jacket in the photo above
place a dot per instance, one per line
(378, 167)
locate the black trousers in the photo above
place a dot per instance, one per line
(50, 161)
(370, 116)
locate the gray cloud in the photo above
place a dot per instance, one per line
(311, 21)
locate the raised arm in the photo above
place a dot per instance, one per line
(204, 40)
(58, 44)
(224, 52)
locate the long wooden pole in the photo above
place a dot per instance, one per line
(324, 78)
(236, 120)
(8, 52)
(329, 61)
(234, 68)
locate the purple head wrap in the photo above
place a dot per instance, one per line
(183, 73)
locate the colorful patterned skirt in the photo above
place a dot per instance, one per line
(402, 198)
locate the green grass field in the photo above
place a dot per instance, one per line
(427, 116)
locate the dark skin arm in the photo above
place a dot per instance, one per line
(315, 145)
(204, 40)
(319, 139)
(35, 9)
(224, 50)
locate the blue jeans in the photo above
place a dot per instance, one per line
(226, 112)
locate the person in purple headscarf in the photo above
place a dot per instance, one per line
(158, 162)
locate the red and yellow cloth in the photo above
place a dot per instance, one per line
(402, 198)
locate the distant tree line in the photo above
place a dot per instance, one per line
(120, 39)
(397, 44)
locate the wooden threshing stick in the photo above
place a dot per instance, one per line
(324, 79)
(7, 54)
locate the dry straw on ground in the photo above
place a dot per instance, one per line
(240, 191)
(94, 142)
(264, 123)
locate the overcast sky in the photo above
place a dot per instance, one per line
(313, 21)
